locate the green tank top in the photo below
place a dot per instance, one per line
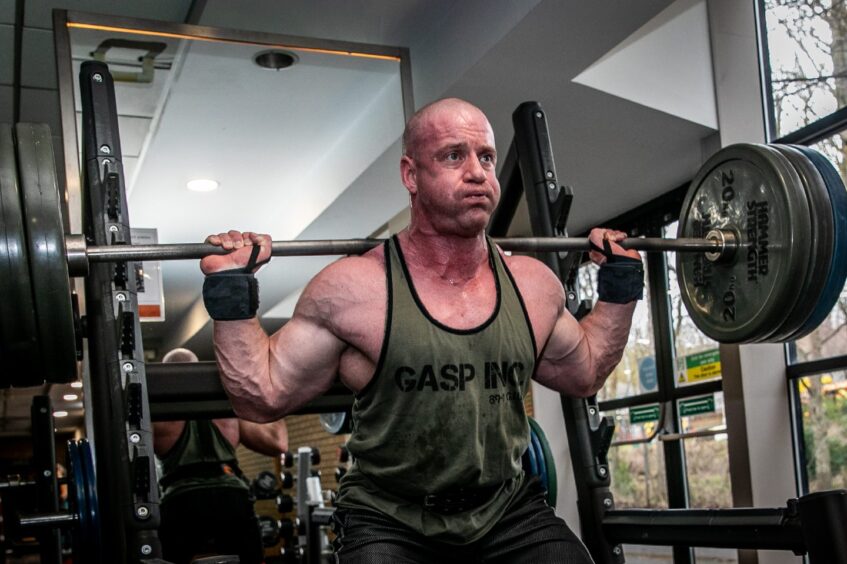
(201, 458)
(444, 410)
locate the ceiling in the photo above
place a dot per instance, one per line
(312, 152)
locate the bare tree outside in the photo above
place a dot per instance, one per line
(807, 42)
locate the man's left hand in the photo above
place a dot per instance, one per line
(598, 235)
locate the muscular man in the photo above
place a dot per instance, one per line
(206, 504)
(438, 333)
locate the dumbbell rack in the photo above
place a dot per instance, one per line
(311, 512)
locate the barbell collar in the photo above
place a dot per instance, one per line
(728, 241)
(719, 246)
(75, 247)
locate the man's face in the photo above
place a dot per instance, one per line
(452, 172)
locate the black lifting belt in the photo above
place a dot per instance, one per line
(202, 470)
(457, 501)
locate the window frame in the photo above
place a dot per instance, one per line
(810, 133)
(814, 132)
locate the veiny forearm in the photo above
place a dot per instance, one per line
(606, 333)
(578, 357)
(270, 439)
(242, 351)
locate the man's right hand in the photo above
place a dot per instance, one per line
(241, 245)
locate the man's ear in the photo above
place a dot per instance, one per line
(408, 174)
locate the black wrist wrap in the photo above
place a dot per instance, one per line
(621, 280)
(233, 294)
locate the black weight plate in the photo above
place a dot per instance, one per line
(820, 257)
(47, 258)
(18, 332)
(837, 275)
(754, 191)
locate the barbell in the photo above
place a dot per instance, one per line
(760, 250)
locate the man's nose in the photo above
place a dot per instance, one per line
(474, 170)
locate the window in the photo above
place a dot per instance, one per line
(706, 455)
(804, 49)
(830, 338)
(715, 555)
(823, 401)
(646, 554)
(638, 470)
(697, 358)
(805, 53)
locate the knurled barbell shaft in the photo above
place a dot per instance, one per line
(79, 254)
(48, 520)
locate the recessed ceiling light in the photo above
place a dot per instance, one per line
(202, 185)
(275, 59)
(76, 384)
(60, 414)
(70, 397)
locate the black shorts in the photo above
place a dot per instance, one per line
(528, 533)
(207, 522)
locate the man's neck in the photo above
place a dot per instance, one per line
(454, 258)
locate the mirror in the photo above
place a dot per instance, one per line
(298, 138)
(286, 128)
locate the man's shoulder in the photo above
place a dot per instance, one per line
(344, 291)
(525, 267)
(533, 277)
(351, 275)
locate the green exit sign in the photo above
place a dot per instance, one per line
(644, 414)
(696, 406)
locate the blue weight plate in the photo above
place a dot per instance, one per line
(539, 459)
(838, 266)
(549, 462)
(18, 330)
(530, 464)
(79, 497)
(820, 258)
(92, 538)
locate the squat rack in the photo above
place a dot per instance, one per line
(124, 393)
(812, 525)
(121, 383)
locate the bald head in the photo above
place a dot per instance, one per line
(180, 355)
(416, 127)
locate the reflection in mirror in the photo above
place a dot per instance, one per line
(295, 137)
(273, 135)
(235, 134)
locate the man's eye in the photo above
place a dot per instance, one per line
(452, 156)
(487, 159)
